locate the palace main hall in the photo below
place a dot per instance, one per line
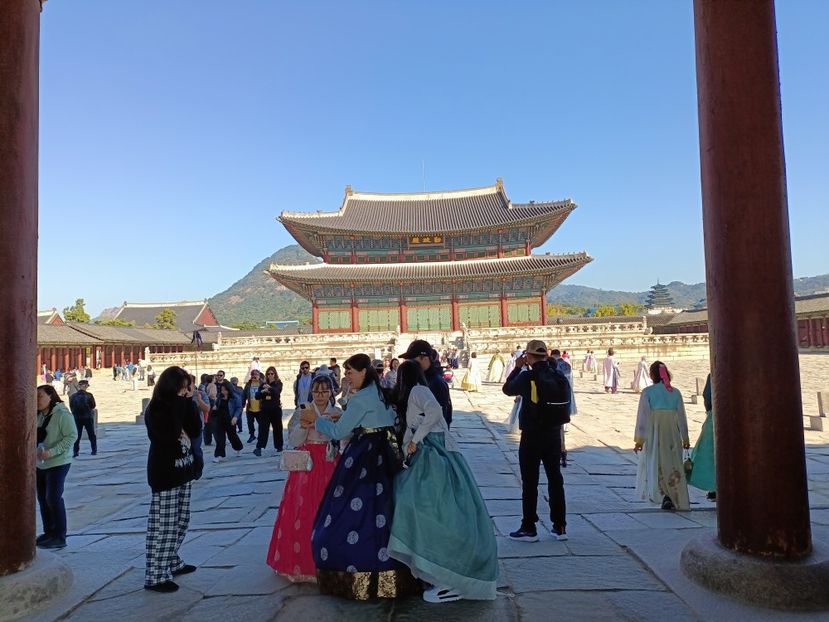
(431, 261)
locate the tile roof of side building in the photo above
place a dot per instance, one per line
(813, 303)
(189, 314)
(428, 212)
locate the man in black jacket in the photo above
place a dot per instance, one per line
(82, 404)
(422, 352)
(540, 443)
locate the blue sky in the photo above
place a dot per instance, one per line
(174, 132)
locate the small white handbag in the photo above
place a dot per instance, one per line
(296, 460)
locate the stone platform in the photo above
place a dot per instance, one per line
(622, 561)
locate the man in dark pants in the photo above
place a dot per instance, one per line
(422, 352)
(540, 443)
(82, 403)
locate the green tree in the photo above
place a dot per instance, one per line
(116, 322)
(76, 313)
(166, 320)
(605, 311)
(627, 308)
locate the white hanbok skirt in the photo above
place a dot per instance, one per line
(661, 472)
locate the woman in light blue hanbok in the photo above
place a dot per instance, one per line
(661, 435)
(441, 527)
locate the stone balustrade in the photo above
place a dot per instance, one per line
(630, 340)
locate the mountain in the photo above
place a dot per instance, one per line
(256, 297)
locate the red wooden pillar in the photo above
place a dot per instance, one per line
(315, 317)
(543, 308)
(123, 355)
(355, 318)
(39, 361)
(66, 359)
(825, 322)
(80, 358)
(404, 316)
(748, 263)
(527, 250)
(53, 359)
(456, 314)
(813, 338)
(19, 52)
(504, 311)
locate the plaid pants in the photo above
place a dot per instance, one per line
(166, 528)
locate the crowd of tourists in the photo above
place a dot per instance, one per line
(379, 500)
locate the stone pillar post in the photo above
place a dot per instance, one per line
(748, 263)
(19, 58)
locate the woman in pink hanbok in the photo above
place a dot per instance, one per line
(290, 553)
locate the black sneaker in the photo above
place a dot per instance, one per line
(42, 538)
(251, 438)
(525, 534)
(711, 496)
(53, 543)
(257, 452)
(164, 588)
(185, 569)
(559, 532)
(667, 504)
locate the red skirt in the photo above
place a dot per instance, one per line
(290, 553)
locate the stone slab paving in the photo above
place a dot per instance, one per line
(621, 562)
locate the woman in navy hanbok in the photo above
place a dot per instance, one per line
(352, 528)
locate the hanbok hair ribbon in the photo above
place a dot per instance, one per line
(666, 379)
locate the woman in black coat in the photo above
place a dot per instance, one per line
(172, 421)
(271, 414)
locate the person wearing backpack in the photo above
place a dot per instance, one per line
(82, 404)
(545, 407)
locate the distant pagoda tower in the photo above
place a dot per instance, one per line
(659, 298)
(430, 261)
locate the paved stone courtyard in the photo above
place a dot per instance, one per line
(621, 562)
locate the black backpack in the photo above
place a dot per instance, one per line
(553, 395)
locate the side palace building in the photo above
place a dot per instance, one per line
(428, 261)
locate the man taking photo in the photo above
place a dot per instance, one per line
(545, 407)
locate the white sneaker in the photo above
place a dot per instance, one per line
(238, 452)
(437, 594)
(216, 459)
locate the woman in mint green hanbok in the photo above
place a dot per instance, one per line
(662, 432)
(441, 527)
(704, 474)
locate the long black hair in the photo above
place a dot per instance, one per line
(54, 398)
(409, 375)
(362, 362)
(169, 383)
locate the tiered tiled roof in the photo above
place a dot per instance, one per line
(454, 211)
(554, 268)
